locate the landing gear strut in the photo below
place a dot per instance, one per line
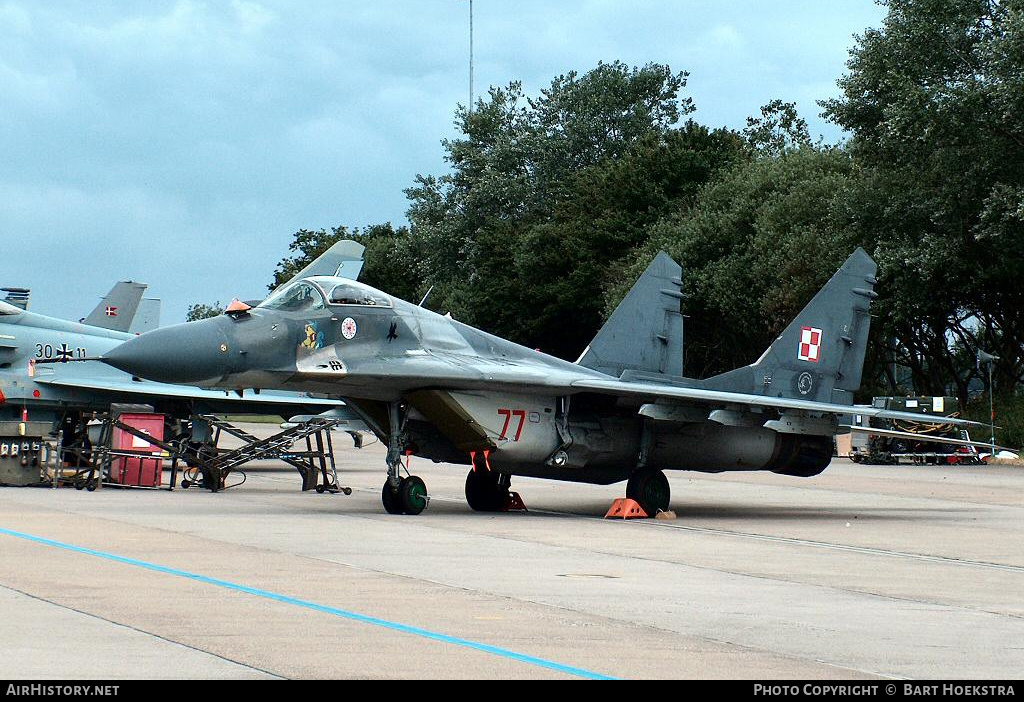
(400, 495)
(649, 488)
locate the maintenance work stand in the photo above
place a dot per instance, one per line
(128, 449)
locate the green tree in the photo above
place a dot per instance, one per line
(777, 130)
(548, 194)
(306, 245)
(568, 262)
(755, 245)
(389, 262)
(935, 102)
(203, 311)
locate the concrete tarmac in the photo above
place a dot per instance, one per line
(862, 572)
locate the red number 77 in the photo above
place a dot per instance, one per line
(508, 414)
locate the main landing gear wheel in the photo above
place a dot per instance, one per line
(486, 491)
(649, 488)
(410, 497)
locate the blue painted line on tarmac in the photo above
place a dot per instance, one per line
(354, 616)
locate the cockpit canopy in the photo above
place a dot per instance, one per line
(299, 297)
(309, 294)
(349, 294)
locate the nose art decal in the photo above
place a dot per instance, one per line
(313, 338)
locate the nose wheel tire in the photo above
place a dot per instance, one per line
(412, 493)
(389, 496)
(649, 488)
(484, 491)
(410, 497)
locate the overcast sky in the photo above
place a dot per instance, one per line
(182, 143)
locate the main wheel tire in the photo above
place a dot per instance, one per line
(392, 503)
(483, 493)
(649, 488)
(412, 494)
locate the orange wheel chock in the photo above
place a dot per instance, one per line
(625, 508)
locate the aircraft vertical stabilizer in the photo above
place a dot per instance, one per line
(820, 355)
(17, 296)
(117, 309)
(343, 259)
(147, 317)
(645, 332)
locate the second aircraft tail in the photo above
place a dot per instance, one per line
(820, 355)
(117, 309)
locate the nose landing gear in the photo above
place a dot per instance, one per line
(410, 497)
(401, 495)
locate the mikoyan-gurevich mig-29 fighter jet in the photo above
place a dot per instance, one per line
(430, 386)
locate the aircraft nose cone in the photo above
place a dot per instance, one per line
(184, 353)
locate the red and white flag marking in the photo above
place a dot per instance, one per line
(810, 344)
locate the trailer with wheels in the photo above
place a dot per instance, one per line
(899, 441)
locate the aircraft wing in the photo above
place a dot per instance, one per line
(719, 399)
(146, 387)
(927, 438)
(455, 370)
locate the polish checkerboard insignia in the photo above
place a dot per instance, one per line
(810, 344)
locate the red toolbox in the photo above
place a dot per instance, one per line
(141, 472)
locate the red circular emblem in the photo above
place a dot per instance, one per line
(349, 328)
